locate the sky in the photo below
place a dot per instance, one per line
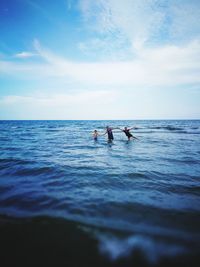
(99, 59)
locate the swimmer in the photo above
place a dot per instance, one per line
(110, 133)
(127, 133)
(95, 135)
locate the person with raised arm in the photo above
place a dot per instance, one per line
(127, 132)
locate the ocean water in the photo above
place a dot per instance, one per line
(70, 201)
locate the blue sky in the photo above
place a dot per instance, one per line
(103, 59)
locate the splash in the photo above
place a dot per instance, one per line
(151, 250)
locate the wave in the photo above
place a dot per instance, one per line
(173, 131)
(152, 250)
(58, 242)
(35, 171)
(169, 128)
(8, 162)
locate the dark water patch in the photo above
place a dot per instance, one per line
(185, 190)
(5, 139)
(5, 188)
(190, 161)
(54, 182)
(35, 171)
(52, 130)
(146, 131)
(156, 127)
(193, 133)
(172, 128)
(27, 202)
(136, 175)
(28, 171)
(169, 128)
(174, 178)
(45, 241)
(11, 148)
(87, 168)
(10, 162)
(140, 213)
(183, 160)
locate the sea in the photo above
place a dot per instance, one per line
(68, 200)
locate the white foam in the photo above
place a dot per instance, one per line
(115, 248)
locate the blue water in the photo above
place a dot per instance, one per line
(144, 194)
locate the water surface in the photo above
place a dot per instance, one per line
(142, 195)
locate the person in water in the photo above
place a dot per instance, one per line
(127, 133)
(109, 133)
(95, 135)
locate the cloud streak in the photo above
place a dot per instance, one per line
(25, 55)
(168, 65)
(78, 105)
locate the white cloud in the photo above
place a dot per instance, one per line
(106, 49)
(57, 100)
(149, 21)
(79, 105)
(141, 52)
(25, 54)
(103, 104)
(137, 19)
(170, 65)
(185, 17)
(26, 70)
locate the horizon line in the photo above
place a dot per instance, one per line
(99, 119)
